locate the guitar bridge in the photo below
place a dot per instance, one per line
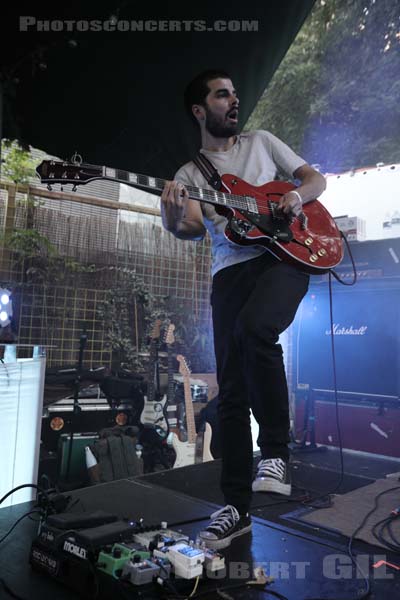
(303, 220)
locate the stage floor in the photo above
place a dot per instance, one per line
(305, 563)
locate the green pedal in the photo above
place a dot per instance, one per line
(112, 559)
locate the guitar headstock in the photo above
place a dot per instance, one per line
(156, 330)
(183, 366)
(63, 172)
(169, 337)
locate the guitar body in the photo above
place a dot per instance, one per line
(203, 445)
(314, 246)
(153, 413)
(185, 451)
(154, 408)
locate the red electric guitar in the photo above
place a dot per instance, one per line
(312, 242)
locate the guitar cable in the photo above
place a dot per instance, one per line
(310, 502)
(335, 385)
(365, 576)
(335, 275)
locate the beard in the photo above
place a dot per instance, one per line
(219, 128)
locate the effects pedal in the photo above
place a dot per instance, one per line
(187, 561)
(145, 571)
(112, 559)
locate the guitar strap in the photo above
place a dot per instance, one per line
(208, 171)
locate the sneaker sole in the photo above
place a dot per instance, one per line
(271, 485)
(225, 542)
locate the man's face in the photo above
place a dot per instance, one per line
(221, 108)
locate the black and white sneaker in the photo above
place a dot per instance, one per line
(226, 525)
(272, 476)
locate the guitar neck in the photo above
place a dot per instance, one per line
(170, 390)
(155, 185)
(151, 373)
(190, 424)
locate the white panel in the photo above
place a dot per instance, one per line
(21, 402)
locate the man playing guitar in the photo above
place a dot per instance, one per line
(255, 296)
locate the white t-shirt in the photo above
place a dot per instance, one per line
(256, 157)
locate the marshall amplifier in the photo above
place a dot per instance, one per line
(366, 329)
(374, 259)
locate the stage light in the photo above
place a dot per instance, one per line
(5, 307)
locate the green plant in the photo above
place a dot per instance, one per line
(18, 165)
(40, 260)
(127, 311)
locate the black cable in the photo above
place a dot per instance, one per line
(352, 537)
(20, 487)
(169, 583)
(336, 276)
(310, 503)
(31, 512)
(392, 534)
(335, 386)
(333, 352)
(9, 591)
(237, 587)
(379, 535)
(367, 592)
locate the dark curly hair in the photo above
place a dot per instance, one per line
(197, 90)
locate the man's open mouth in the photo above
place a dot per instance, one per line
(233, 115)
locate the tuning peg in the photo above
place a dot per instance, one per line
(49, 187)
(74, 188)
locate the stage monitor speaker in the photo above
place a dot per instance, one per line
(366, 327)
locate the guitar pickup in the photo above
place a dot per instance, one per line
(252, 205)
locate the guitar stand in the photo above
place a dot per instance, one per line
(305, 446)
(76, 407)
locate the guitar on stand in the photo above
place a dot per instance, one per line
(171, 407)
(153, 412)
(186, 450)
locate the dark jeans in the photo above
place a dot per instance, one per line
(252, 303)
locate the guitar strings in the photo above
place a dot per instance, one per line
(201, 194)
(225, 199)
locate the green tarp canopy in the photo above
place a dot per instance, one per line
(116, 96)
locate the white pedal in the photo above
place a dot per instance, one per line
(187, 561)
(213, 561)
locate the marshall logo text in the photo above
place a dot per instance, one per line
(342, 330)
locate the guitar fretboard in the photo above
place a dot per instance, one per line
(190, 422)
(156, 185)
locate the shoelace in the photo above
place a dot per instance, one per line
(224, 518)
(271, 466)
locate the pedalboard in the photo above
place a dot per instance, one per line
(81, 550)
